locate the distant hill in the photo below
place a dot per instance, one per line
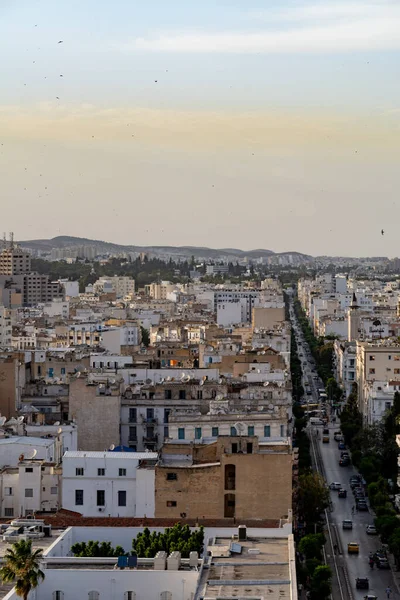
(66, 241)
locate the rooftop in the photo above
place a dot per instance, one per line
(116, 455)
(253, 568)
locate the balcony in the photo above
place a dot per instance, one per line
(132, 438)
(151, 439)
(149, 420)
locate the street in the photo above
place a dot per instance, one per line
(346, 568)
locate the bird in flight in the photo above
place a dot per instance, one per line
(61, 41)
(382, 232)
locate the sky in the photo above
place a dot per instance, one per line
(260, 124)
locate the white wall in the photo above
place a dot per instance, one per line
(111, 584)
(111, 483)
(11, 451)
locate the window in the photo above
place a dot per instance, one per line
(8, 491)
(132, 415)
(234, 448)
(168, 394)
(282, 430)
(171, 503)
(28, 469)
(28, 492)
(267, 430)
(122, 472)
(58, 595)
(372, 371)
(121, 498)
(371, 357)
(233, 430)
(182, 394)
(199, 394)
(250, 430)
(388, 405)
(79, 471)
(8, 512)
(101, 497)
(93, 596)
(230, 477)
(197, 433)
(132, 433)
(78, 497)
(166, 432)
(249, 448)
(181, 433)
(53, 491)
(149, 413)
(396, 371)
(172, 477)
(62, 370)
(215, 432)
(101, 472)
(130, 596)
(389, 357)
(166, 415)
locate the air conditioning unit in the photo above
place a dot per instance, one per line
(101, 509)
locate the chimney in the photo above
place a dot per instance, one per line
(242, 533)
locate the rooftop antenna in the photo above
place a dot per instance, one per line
(11, 239)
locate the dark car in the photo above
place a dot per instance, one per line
(361, 505)
(342, 493)
(342, 446)
(362, 583)
(343, 462)
(344, 455)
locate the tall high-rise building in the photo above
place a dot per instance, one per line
(14, 261)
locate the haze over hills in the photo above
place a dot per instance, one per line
(102, 247)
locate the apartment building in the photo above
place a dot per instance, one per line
(233, 477)
(5, 328)
(109, 484)
(376, 362)
(30, 487)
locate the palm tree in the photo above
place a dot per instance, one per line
(21, 566)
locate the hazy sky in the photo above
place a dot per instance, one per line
(257, 124)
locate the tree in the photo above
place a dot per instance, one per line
(312, 497)
(22, 566)
(321, 583)
(145, 336)
(176, 538)
(311, 545)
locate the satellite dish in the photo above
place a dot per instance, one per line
(57, 423)
(148, 381)
(169, 378)
(78, 374)
(266, 383)
(32, 456)
(59, 430)
(202, 382)
(112, 447)
(20, 420)
(240, 428)
(2, 421)
(183, 375)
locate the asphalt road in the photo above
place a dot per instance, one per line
(356, 565)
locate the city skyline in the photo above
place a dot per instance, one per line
(214, 126)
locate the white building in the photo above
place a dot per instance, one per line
(71, 288)
(116, 484)
(29, 487)
(14, 449)
(56, 308)
(172, 577)
(115, 337)
(232, 312)
(5, 328)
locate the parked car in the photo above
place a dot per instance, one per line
(344, 462)
(353, 548)
(325, 430)
(345, 455)
(370, 597)
(336, 435)
(342, 493)
(325, 439)
(361, 505)
(362, 583)
(382, 563)
(342, 446)
(371, 530)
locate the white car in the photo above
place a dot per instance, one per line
(371, 530)
(335, 485)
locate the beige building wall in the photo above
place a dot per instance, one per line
(260, 489)
(267, 317)
(97, 417)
